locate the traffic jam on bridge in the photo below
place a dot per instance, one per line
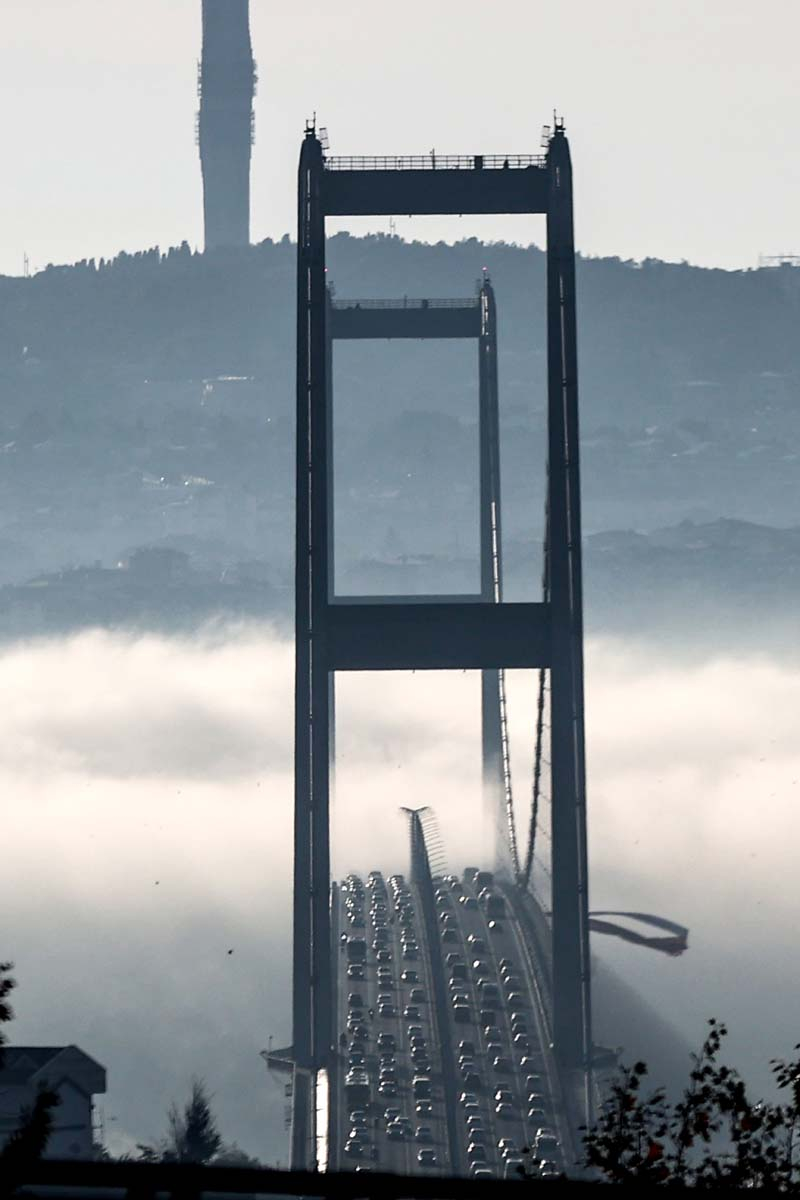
(460, 1088)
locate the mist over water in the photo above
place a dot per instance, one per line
(147, 832)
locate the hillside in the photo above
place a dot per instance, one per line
(150, 400)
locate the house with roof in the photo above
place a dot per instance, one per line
(66, 1070)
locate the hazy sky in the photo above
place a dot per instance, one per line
(682, 115)
(151, 826)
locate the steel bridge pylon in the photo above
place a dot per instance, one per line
(433, 633)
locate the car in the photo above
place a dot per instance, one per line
(388, 1075)
(384, 956)
(546, 1144)
(423, 1108)
(409, 977)
(387, 1041)
(358, 1116)
(537, 1098)
(396, 1133)
(504, 1095)
(426, 1158)
(480, 967)
(522, 1043)
(530, 1062)
(478, 1171)
(533, 1083)
(461, 1013)
(474, 1122)
(449, 935)
(353, 1148)
(471, 1079)
(504, 1112)
(514, 1168)
(355, 971)
(515, 998)
(495, 927)
(465, 1096)
(476, 1152)
(490, 991)
(468, 901)
(504, 1144)
(492, 1033)
(391, 1113)
(387, 1090)
(452, 958)
(355, 1058)
(417, 995)
(459, 997)
(411, 1012)
(410, 954)
(502, 1064)
(548, 1168)
(536, 1115)
(494, 1049)
(487, 1016)
(414, 1031)
(387, 1010)
(424, 1134)
(466, 1046)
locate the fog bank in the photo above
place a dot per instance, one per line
(147, 822)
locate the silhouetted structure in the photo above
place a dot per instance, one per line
(335, 633)
(69, 1072)
(226, 85)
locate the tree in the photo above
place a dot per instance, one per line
(193, 1135)
(29, 1140)
(714, 1135)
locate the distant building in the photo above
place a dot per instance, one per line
(226, 85)
(76, 1078)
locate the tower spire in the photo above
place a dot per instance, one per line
(227, 85)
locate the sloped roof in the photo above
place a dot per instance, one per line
(29, 1064)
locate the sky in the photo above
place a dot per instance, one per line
(151, 835)
(682, 116)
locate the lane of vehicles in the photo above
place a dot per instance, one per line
(504, 1098)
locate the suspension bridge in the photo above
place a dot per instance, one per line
(442, 1024)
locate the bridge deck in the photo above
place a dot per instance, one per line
(495, 1025)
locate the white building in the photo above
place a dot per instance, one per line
(66, 1070)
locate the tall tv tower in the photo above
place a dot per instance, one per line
(226, 84)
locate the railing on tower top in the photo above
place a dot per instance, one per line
(434, 162)
(407, 302)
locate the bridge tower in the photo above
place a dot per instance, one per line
(340, 633)
(226, 85)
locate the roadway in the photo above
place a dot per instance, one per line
(386, 1028)
(508, 1109)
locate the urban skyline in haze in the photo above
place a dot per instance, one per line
(684, 137)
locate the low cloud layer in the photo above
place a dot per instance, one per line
(148, 824)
